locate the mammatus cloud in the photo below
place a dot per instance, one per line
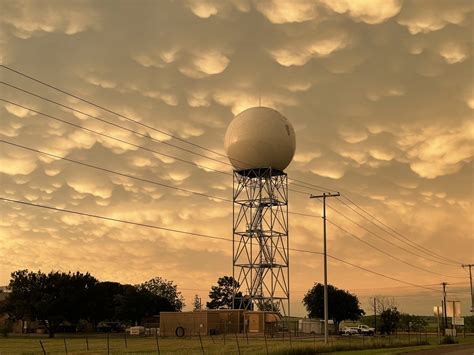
(379, 92)
(369, 11)
(422, 16)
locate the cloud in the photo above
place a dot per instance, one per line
(369, 11)
(204, 64)
(29, 19)
(301, 54)
(379, 93)
(444, 152)
(424, 16)
(453, 53)
(280, 12)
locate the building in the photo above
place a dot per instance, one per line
(217, 321)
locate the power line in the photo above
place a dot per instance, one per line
(161, 184)
(199, 235)
(320, 188)
(111, 123)
(122, 127)
(115, 138)
(390, 255)
(407, 241)
(126, 142)
(120, 173)
(198, 194)
(384, 239)
(111, 111)
(113, 171)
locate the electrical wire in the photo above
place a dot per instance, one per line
(200, 235)
(407, 240)
(320, 188)
(110, 111)
(383, 238)
(388, 254)
(111, 123)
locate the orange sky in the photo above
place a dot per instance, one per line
(380, 93)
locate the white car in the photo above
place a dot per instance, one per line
(350, 331)
(365, 330)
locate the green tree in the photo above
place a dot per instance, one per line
(197, 303)
(51, 298)
(132, 304)
(342, 305)
(390, 319)
(221, 295)
(166, 289)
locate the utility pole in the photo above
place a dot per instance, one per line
(375, 315)
(445, 306)
(326, 308)
(470, 281)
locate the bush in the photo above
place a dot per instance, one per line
(448, 339)
(6, 327)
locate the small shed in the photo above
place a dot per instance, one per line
(217, 321)
(204, 322)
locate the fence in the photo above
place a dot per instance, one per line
(231, 342)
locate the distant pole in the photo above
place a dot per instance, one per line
(157, 342)
(375, 315)
(445, 306)
(326, 308)
(470, 281)
(65, 345)
(437, 320)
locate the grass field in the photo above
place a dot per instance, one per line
(118, 344)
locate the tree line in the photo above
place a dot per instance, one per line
(58, 297)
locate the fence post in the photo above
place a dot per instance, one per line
(125, 339)
(200, 340)
(266, 344)
(157, 342)
(87, 343)
(225, 331)
(42, 347)
(247, 336)
(291, 344)
(238, 346)
(108, 345)
(65, 345)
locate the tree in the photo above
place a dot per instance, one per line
(51, 298)
(222, 294)
(409, 322)
(164, 288)
(133, 303)
(342, 305)
(390, 318)
(197, 303)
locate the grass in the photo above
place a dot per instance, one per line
(212, 345)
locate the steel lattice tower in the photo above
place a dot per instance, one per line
(260, 240)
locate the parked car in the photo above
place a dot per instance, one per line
(365, 330)
(110, 327)
(349, 331)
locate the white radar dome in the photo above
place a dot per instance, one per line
(260, 137)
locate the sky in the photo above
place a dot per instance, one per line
(380, 94)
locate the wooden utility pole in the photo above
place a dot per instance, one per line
(470, 281)
(375, 315)
(445, 311)
(326, 308)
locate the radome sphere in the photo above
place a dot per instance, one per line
(260, 137)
